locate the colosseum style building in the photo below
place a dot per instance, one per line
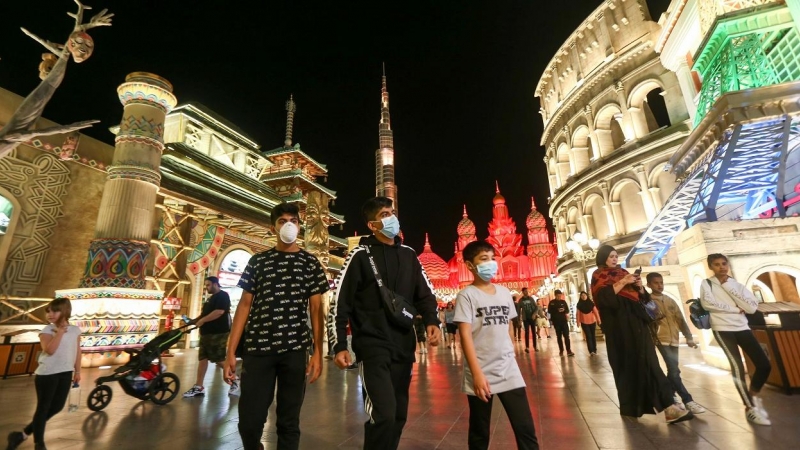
(678, 139)
(613, 116)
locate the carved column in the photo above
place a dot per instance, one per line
(316, 225)
(576, 61)
(625, 120)
(688, 90)
(612, 225)
(616, 211)
(656, 198)
(605, 38)
(644, 192)
(589, 114)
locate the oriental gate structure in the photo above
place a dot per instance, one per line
(722, 177)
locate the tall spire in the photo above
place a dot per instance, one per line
(496, 187)
(465, 210)
(290, 109)
(533, 204)
(384, 156)
(427, 242)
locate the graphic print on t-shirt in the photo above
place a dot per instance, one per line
(281, 283)
(493, 315)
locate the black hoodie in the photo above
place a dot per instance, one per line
(357, 300)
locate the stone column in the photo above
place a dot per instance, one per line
(684, 74)
(605, 38)
(612, 226)
(119, 250)
(644, 192)
(595, 154)
(576, 61)
(656, 198)
(111, 305)
(625, 123)
(616, 211)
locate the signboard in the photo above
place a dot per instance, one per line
(171, 303)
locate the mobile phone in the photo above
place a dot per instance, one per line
(638, 271)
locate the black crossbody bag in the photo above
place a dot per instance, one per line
(399, 311)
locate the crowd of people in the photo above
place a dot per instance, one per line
(384, 311)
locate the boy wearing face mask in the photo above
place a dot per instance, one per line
(385, 352)
(483, 313)
(281, 285)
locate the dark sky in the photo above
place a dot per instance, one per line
(461, 77)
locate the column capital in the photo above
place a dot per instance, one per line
(603, 185)
(618, 86)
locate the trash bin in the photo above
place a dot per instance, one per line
(20, 358)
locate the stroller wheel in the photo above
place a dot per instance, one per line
(164, 388)
(99, 398)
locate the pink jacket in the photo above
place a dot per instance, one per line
(588, 319)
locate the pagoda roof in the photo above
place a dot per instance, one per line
(215, 121)
(305, 157)
(296, 173)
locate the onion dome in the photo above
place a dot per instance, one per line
(434, 265)
(466, 227)
(535, 219)
(498, 199)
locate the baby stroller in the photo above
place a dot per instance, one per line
(144, 375)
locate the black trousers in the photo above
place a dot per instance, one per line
(589, 335)
(51, 396)
(730, 341)
(260, 374)
(562, 332)
(530, 332)
(515, 403)
(385, 386)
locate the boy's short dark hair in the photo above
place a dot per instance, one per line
(284, 208)
(558, 292)
(653, 275)
(715, 256)
(373, 205)
(473, 249)
(213, 280)
(524, 289)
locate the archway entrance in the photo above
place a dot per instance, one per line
(230, 270)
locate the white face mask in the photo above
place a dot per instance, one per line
(288, 232)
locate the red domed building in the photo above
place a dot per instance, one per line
(517, 268)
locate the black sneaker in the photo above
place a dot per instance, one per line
(14, 439)
(40, 446)
(527, 350)
(570, 354)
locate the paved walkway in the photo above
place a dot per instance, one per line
(573, 402)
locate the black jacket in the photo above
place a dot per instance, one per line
(357, 300)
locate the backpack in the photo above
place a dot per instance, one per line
(698, 315)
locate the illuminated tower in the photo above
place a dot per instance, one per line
(384, 156)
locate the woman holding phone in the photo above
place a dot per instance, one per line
(642, 386)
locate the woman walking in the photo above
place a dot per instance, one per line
(589, 317)
(59, 367)
(642, 386)
(728, 301)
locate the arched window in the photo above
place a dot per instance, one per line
(594, 206)
(608, 129)
(581, 148)
(655, 110)
(627, 193)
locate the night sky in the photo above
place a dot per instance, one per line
(461, 78)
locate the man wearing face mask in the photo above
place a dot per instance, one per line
(281, 285)
(385, 350)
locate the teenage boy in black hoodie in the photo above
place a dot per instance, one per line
(385, 352)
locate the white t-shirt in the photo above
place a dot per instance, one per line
(63, 359)
(490, 316)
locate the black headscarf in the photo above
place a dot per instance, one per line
(602, 255)
(585, 306)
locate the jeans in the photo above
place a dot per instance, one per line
(670, 355)
(260, 374)
(515, 403)
(730, 341)
(51, 396)
(589, 335)
(384, 384)
(530, 332)
(562, 331)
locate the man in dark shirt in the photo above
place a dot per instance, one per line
(384, 350)
(281, 286)
(214, 324)
(528, 313)
(559, 315)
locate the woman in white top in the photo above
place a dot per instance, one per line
(728, 301)
(59, 367)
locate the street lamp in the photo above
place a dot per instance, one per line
(577, 245)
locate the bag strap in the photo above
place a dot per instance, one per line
(374, 267)
(710, 286)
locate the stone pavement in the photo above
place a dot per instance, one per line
(573, 402)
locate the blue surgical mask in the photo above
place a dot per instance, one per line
(391, 226)
(487, 270)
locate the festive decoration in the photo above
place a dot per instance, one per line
(206, 249)
(116, 263)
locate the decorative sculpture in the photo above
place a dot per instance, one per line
(79, 45)
(317, 221)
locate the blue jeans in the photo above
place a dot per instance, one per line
(670, 355)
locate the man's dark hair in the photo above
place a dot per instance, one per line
(473, 249)
(558, 292)
(284, 208)
(524, 289)
(213, 280)
(373, 205)
(653, 275)
(715, 256)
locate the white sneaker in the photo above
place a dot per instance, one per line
(675, 414)
(759, 405)
(235, 390)
(756, 416)
(195, 391)
(695, 408)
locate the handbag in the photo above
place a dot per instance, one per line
(653, 311)
(399, 311)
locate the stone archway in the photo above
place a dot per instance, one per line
(775, 283)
